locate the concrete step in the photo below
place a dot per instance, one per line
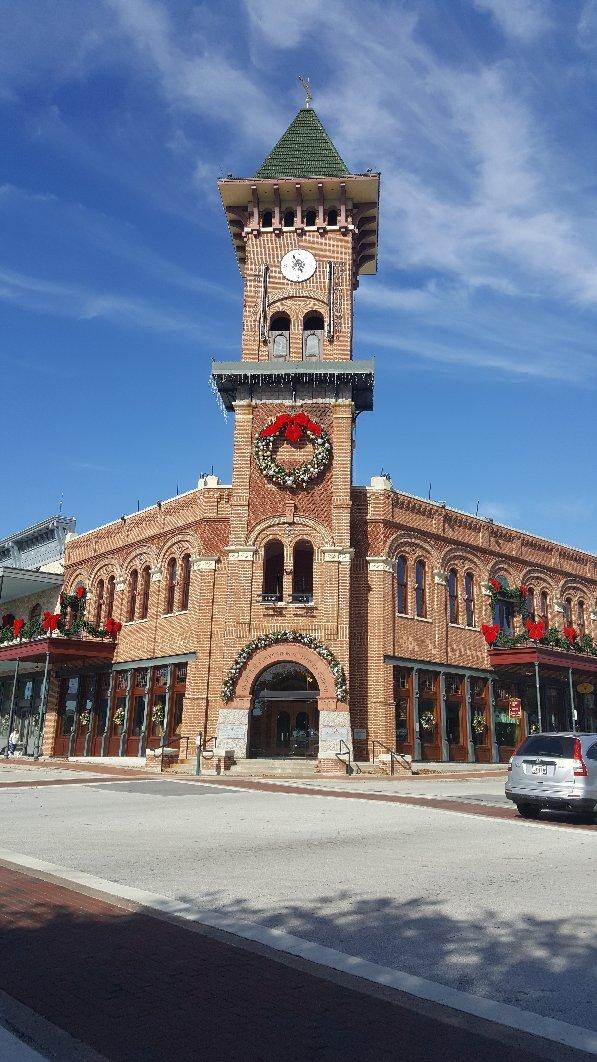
(263, 768)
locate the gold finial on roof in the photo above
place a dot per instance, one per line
(307, 87)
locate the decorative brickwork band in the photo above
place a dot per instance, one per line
(263, 641)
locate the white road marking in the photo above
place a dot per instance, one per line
(488, 1009)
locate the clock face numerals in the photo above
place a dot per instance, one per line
(298, 265)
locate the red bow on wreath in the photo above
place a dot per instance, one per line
(17, 627)
(490, 632)
(293, 426)
(535, 629)
(112, 627)
(570, 633)
(50, 621)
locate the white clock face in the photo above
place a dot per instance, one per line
(298, 265)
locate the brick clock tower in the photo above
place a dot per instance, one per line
(303, 229)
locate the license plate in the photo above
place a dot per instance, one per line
(539, 768)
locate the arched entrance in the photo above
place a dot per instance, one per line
(284, 714)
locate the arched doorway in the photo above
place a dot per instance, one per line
(284, 717)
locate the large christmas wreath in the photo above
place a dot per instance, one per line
(274, 638)
(292, 427)
(69, 622)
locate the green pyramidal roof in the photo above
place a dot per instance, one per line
(304, 150)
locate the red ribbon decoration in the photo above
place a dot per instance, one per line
(17, 627)
(496, 586)
(112, 626)
(490, 632)
(50, 621)
(570, 633)
(293, 426)
(80, 592)
(535, 629)
(524, 589)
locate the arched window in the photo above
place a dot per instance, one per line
(312, 335)
(302, 572)
(332, 216)
(453, 595)
(288, 219)
(420, 590)
(530, 603)
(267, 219)
(401, 586)
(35, 614)
(273, 571)
(544, 609)
(99, 602)
(185, 581)
(144, 599)
(311, 219)
(279, 336)
(132, 599)
(110, 595)
(170, 585)
(469, 598)
(568, 611)
(580, 618)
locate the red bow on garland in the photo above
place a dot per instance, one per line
(113, 627)
(80, 592)
(524, 589)
(490, 632)
(293, 426)
(535, 629)
(50, 621)
(17, 627)
(570, 633)
(496, 586)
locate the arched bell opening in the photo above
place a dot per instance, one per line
(279, 336)
(284, 715)
(313, 326)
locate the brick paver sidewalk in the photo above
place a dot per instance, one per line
(136, 988)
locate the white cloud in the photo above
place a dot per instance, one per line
(587, 25)
(72, 300)
(522, 19)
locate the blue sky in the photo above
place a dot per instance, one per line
(118, 282)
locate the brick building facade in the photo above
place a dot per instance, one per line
(293, 613)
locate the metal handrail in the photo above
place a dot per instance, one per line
(394, 756)
(209, 752)
(345, 752)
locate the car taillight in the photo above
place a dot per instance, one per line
(580, 767)
(520, 744)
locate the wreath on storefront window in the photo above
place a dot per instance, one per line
(85, 718)
(70, 622)
(478, 723)
(274, 638)
(292, 427)
(427, 721)
(118, 717)
(158, 714)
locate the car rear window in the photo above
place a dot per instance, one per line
(547, 745)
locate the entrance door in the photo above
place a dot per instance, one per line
(285, 729)
(455, 722)
(69, 699)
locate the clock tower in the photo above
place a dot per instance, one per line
(303, 228)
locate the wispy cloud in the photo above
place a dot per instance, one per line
(74, 301)
(523, 19)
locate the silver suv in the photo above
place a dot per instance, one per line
(557, 771)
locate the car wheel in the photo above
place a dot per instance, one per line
(529, 811)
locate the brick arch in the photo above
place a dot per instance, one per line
(79, 577)
(288, 652)
(274, 527)
(572, 586)
(456, 556)
(411, 546)
(538, 579)
(138, 560)
(176, 546)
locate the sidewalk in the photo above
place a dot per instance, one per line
(135, 988)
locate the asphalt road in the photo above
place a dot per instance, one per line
(497, 908)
